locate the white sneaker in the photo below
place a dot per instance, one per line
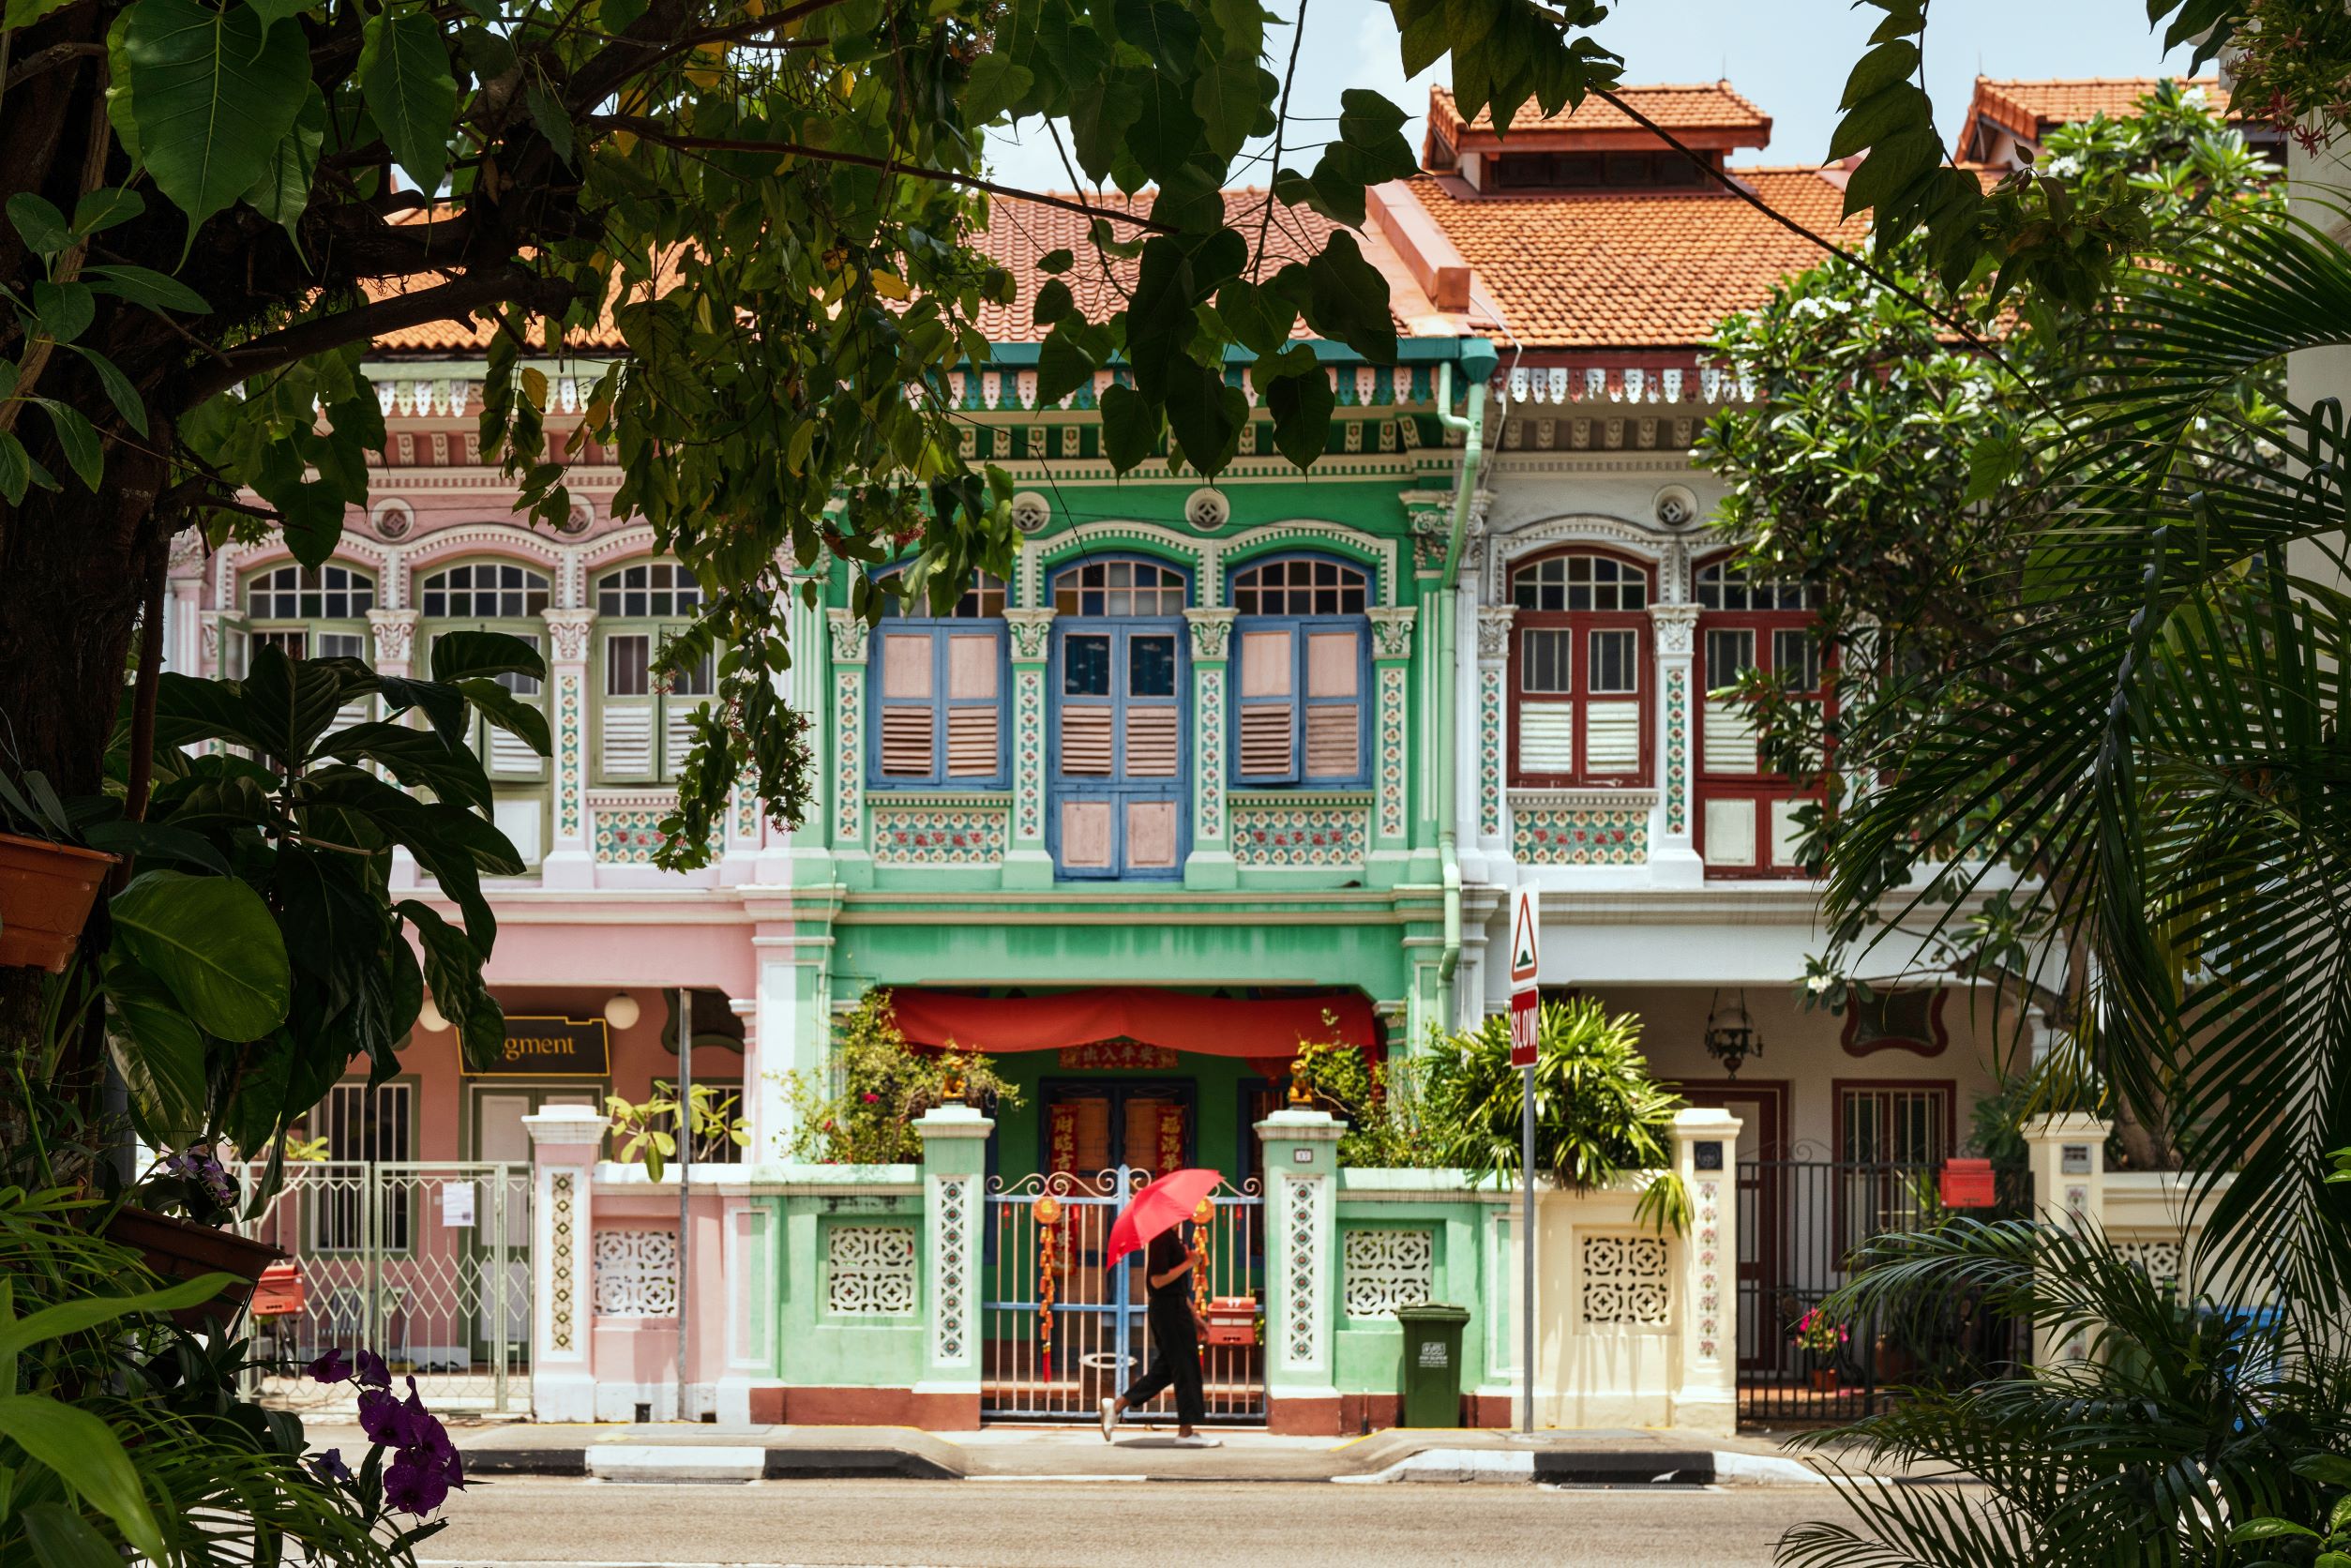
(1110, 1417)
(1200, 1442)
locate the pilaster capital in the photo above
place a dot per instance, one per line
(1392, 633)
(395, 633)
(1211, 631)
(1677, 627)
(567, 633)
(849, 636)
(1032, 632)
(1494, 624)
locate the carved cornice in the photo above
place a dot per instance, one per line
(1677, 628)
(1211, 631)
(394, 632)
(567, 633)
(1494, 624)
(1032, 632)
(849, 636)
(1392, 633)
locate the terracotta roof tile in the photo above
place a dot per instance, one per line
(1698, 106)
(1633, 269)
(2031, 107)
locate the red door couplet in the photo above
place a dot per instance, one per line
(1526, 1020)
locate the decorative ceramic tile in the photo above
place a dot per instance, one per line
(1710, 1291)
(1302, 834)
(1543, 836)
(1208, 821)
(1392, 733)
(560, 1307)
(951, 1327)
(848, 755)
(937, 835)
(1302, 1224)
(1387, 1267)
(1678, 750)
(1490, 753)
(1621, 1278)
(567, 755)
(870, 1270)
(1028, 766)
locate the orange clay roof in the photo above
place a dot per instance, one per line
(1699, 106)
(2029, 109)
(1634, 269)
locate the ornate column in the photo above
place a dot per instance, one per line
(572, 851)
(1488, 792)
(807, 860)
(954, 1162)
(184, 617)
(1673, 856)
(1026, 862)
(1706, 1156)
(1392, 742)
(852, 864)
(1211, 863)
(563, 1144)
(1302, 1309)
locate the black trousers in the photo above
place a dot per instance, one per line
(1175, 1360)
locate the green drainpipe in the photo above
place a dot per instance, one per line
(1477, 359)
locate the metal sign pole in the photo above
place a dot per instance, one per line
(1526, 1038)
(1527, 1264)
(686, 1170)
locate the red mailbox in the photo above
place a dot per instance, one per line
(1968, 1185)
(279, 1292)
(1232, 1321)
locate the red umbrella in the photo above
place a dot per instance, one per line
(1161, 1206)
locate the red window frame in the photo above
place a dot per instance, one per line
(1761, 787)
(1583, 621)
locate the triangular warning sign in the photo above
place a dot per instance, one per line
(1524, 955)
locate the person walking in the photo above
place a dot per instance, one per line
(1176, 1329)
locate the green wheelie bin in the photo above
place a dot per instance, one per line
(1432, 1364)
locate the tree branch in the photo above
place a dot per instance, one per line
(653, 131)
(55, 55)
(450, 301)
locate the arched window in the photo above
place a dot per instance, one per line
(503, 596)
(1579, 665)
(645, 726)
(1747, 823)
(1119, 588)
(939, 686)
(303, 612)
(1305, 644)
(1118, 703)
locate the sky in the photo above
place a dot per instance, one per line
(1788, 56)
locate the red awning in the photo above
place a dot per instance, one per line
(1270, 1029)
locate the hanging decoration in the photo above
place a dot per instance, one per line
(1731, 1036)
(1200, 1218)
(1047, 1213)
(1061, 1148)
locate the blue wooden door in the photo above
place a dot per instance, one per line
(1120, 748)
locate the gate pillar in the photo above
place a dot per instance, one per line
(2069, 1172)
(1302, 1178)
(1706, 1156)
(565, 1143)
(954, 1162)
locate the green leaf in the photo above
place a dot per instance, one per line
(998, 82)
(146, 286)
(213, 93)
(65, 310)
(38, 223)
(1300, 406)
(1888, 63)
(453, 968)
(1259, 319)
(547, 114)
(1053, 302)
(283, 190)
(1056, 262)
(517, 717)
(1347, 299)
(459, 653)
(61, 1538)
(105, 207)
(20, 14)
(16, 468)
(159, 1050)
(418, 758)
(86, 1454)
(1226, 95)
(119, 391)
(288, 702)
(79, 442)
(188, 710)
(212, 941)
(2270, 1529)
(1130, 428)
(1064, 361)
(404, 77)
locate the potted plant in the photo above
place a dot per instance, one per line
(1822, 1340)
(47, 885)
(195, 1183)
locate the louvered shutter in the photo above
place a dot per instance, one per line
(677, 736)
(910, 715)
(357, 712)
(1730, 739)
(627, 740)
(511, 754)
(1267, 705)
(1334, 711)
(1152, 741)
(1086, 741)
(1612, 737)
(1547, 736)
(974, 749)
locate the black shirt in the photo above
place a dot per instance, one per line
(1168, 1251)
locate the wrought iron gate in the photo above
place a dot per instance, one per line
(427, 1264)
(1054, 1355)
(1801, 1225)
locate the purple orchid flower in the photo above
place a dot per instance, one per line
(329, 1369)
(414, 1483)
(372, 1373)
(329, 1467)
(381, 1417)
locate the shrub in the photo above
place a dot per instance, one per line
(1380, 1102)
(862, 1110)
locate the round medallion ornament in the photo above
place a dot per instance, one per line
(1676, 507)
(1030, 511)
(393, 520)
(577, 520)
(1046, 1210)
(1207, 509)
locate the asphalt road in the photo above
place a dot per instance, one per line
(972, 1524)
